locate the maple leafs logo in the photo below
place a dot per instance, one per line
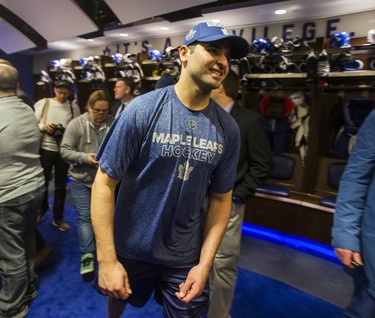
(184, 171)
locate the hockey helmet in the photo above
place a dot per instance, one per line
(340, 39)
(258, 45)
(371, 36)
(154, 55)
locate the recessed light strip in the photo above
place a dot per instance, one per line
(280, 12)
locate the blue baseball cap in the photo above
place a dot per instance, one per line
(211, 31)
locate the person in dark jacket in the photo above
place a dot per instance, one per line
(253, 168)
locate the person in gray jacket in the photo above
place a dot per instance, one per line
(354, 222)
(80, 143)
(21, 193)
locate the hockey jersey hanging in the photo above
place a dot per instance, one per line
(299, 123)
(276, 111)
(355, 112)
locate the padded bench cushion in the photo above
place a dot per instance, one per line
(329, 201)
(274, 190)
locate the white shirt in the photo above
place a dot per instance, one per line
(122, 107)
(58, 113)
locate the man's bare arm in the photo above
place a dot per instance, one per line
(216, 224)
(113, 280)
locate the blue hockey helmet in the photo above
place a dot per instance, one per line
(340, 39)
(154, 55)
(83, 61)
(259, 45)
(117, 58)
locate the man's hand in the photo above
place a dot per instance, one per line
(348, 257)
(91, 158)
(113, 280)
(194, 284)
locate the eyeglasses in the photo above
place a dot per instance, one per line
(97, 111)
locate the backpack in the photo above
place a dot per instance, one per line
(355, 111)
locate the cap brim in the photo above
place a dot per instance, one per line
(64, 86)
(239, 46)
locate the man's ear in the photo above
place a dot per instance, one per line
(184, 53)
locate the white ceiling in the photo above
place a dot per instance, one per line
(131, 11)
(12, 40)
(65, 21)
(53, 19)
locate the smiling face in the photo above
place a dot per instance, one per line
(208, 63)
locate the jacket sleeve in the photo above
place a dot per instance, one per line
(69, 148)
(355, 191)
(257, 152)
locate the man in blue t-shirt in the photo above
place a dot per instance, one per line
(168, 148)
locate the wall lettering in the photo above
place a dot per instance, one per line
(240, 33)
(287, 32)
(356, 24)
(168, 43)
(145, 46)
(309, 31)
(331, 28)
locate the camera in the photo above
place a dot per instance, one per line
(58, 131)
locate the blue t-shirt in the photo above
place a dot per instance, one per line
(166, 156)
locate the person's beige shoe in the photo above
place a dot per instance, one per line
(61, 225)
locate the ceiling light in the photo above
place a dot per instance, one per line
(280, 12)
(124, 34)
(91, 40)
(164, 28)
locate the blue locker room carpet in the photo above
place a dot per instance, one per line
(63, 294)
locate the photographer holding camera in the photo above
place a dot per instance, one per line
(53, 115)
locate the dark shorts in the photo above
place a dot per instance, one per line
(146, 278)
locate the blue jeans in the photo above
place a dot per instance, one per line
(82, 197)
(17, 249)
